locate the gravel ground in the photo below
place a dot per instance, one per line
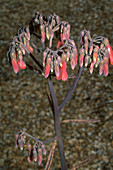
(24, 104)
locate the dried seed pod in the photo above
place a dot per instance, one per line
(43, 149)
(81, 57)
(39, 156)
(101, 67)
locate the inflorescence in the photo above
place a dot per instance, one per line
(34, 152)
(95, 51)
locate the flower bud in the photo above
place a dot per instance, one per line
(64, 57)
(43, 149)
(34, 154)
(47, 67)
(68, 31)
(57, 19)
(87, 57)
(91, 67)
(64, 72)
(42, 29)
(101, 67)
(82, 33)
(105, 65)
(75, 55)
(56, 68)
(91, 49)
(47, 33)
(29, 149)
(86, 44)
(20, 143)
(16, 139)
(39, 156)
(81, 57)
(72, 61)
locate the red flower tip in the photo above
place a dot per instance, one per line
(110, 53)
(60, 44)
(29, 48)
(105, 69)
(15, 66)
(47, 70)
(64, 72)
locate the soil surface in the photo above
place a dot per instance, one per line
(23, 100)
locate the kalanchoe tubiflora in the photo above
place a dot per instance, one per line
(35, 151)
(47, 42)
(96, 51)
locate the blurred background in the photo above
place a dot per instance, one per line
(23, 100)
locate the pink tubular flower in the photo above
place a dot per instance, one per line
(15, 65)
(20, 61)
(110, 52)
(29, 48)
(60, 44)
(62, 72)
(47, 67)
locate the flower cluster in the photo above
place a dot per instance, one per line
(19, 47)
(95, 51)
(57, 60)
(46, 26)
(34, 152)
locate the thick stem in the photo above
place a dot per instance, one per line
(56, 114)
(71, 89)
